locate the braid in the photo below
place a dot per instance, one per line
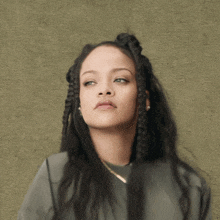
(141, 148)
(135, 187)
(92, 170)
(68, 108)
(156, 130)
(132, 44)
(129, 42)
(84, 165)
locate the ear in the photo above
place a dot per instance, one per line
(148, 101)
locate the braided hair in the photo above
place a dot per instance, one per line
(155, 139)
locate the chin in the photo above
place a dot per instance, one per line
(102, 125)
(111, 125)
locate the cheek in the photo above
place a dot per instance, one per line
(131, 96)
(129, 102)
(86, 101)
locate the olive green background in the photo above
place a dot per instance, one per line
(40, 40)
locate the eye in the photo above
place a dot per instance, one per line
(89, 83)
(121, 80)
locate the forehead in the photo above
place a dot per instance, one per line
(105, 57)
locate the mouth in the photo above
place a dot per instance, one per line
(105, 105)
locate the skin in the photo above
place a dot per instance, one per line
(107, 74)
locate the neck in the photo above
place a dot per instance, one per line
(115, 145)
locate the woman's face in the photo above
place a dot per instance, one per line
(108, 89)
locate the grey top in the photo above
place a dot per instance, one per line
(162, 193)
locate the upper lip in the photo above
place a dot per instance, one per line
(105, 103)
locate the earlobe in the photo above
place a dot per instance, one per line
(80, 110)
(148, 101)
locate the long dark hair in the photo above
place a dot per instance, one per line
(155, 139)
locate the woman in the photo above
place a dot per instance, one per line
(118, 155)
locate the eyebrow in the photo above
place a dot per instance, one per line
(113, 71)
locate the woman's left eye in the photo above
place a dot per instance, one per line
(121, 80)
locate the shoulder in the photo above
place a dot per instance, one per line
(56, 163)
(192, 178)
(198, 190)
(162, 170)
(160, 176)
(37, 203)
(196, 185)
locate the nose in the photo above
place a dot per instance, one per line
(106, 90)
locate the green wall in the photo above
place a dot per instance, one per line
(41, 38)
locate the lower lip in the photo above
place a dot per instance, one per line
(105, 107)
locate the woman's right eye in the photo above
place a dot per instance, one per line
(88, 83)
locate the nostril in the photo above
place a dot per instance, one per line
(107, 93)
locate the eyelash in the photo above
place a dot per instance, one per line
(125, 81)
